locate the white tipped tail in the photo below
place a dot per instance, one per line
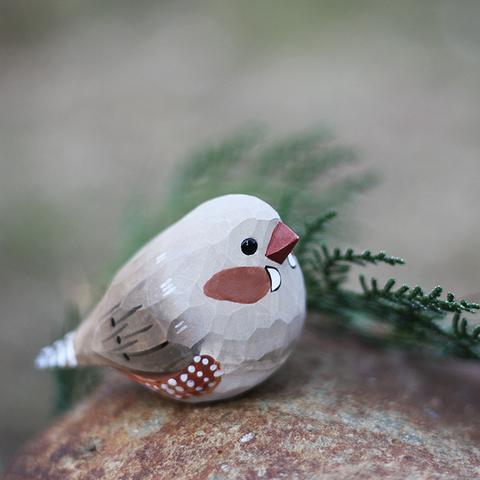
(60, 354)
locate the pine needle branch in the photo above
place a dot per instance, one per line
(285, 173)
(408, 316)
(334, 265)
(460, 329)
(313, 229)
(288, 175)
(414, 299)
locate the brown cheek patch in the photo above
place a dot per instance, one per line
(239, 285)
(202, 376)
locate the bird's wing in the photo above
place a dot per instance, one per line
(134, 339)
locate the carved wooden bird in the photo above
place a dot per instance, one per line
(206, 310)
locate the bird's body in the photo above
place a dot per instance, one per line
(206, 310)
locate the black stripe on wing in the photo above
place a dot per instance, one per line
(156, 348)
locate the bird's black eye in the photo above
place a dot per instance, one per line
(249, 246)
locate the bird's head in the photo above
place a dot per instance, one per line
(250, 248)
(240, 296)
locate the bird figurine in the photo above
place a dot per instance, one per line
(206, 310)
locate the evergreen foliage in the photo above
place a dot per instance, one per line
(285, 173)
(295, 176)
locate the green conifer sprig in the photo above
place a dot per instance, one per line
(287, 173)
(313, 229)
(460, 329)
(333, 266)
(301, 177)
(415, 299)
(415, 318)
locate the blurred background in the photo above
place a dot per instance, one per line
(100, 100)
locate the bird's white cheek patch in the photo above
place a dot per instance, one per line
(292, 261)
(275, 278)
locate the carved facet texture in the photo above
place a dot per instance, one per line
(192, 292)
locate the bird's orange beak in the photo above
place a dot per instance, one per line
(281, 243)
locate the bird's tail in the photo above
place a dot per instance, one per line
(59, 354)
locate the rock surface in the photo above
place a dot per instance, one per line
(338, 409)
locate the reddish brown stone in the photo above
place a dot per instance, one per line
(338, 409)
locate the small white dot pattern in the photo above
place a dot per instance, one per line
(195, 380)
